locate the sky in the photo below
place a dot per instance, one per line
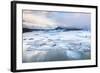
(33, 19)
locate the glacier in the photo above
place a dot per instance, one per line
(56, 45)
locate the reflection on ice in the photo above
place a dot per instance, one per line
(42, 46)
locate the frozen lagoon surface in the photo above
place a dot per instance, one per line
(56, 45)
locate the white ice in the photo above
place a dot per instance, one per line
(41, 46)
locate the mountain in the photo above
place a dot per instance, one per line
(58, 28)
(27, 30)
(67, 28)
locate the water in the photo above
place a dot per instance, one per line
(56, 45)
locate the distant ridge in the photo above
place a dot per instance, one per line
(27, 30)
(58, 28)
(66, 29)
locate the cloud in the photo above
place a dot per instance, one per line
(50, 19)
(72, 19)
(37, 21)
